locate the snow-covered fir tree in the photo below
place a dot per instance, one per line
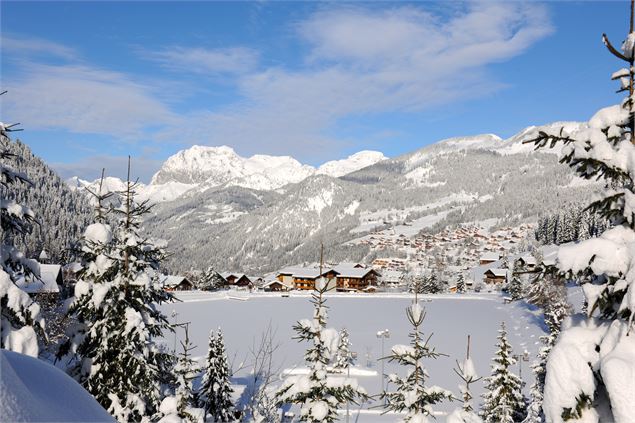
(112, 351)
(515, 288)
(216, 390)
(432, 285)
(553, 319)
(319, 394)
(589, 370)
(185, 371)
(19, 315)
(461, 286)
(210, 280)
(503, 399)
(467, 373)
(411, 393)
(343, 356)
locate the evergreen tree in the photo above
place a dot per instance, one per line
(411, 395)
(582, 359)
(461, 286)
(467, 374)
(317, 393)
(210, 280)
(216, 390)
(19, 315)
(185, 372)
(344, 356)
(112, 350)
(515, 288)
(504, 401)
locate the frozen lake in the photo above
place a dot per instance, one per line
(449, 317)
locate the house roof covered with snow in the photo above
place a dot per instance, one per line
(347, 270)
(491, 256)
(497, 272)
(172, 280)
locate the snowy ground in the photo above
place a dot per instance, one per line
(244, 317)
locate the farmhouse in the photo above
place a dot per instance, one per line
(276, 286)
(495, 276)
(175, 283)
(237, 279)
(528, 262)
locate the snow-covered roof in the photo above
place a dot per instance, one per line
(271, 282)
(310, 273)
(490, 256)
(391, 275)
(528, 259)
(47, 282)
(347, 271)
(230, 274)
(32, 390)
(171, 280)
(497, 272)
(44, 255)
(304, 272)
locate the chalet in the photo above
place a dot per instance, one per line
(236, 279)
(305, 278)
(495, 276)
(488, 258)
(355, 278)
(175, 283)
(528, 262)
(276, 286)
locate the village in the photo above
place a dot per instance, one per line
(473, 253)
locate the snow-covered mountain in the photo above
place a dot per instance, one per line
(199, 168)
(456, 180)
(357, 161)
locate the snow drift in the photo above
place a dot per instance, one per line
(34, 391)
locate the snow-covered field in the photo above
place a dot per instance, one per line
(244, 317)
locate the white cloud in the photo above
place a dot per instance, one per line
(207, 61)
(83, 99)
(21, 46)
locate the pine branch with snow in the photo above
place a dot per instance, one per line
(589, 370)
(411, 393)
(319, 394)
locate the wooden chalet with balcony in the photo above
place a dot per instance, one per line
(495, 276)
(355, 277)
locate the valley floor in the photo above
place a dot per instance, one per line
(244, 317)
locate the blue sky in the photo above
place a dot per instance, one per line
(92, 82)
